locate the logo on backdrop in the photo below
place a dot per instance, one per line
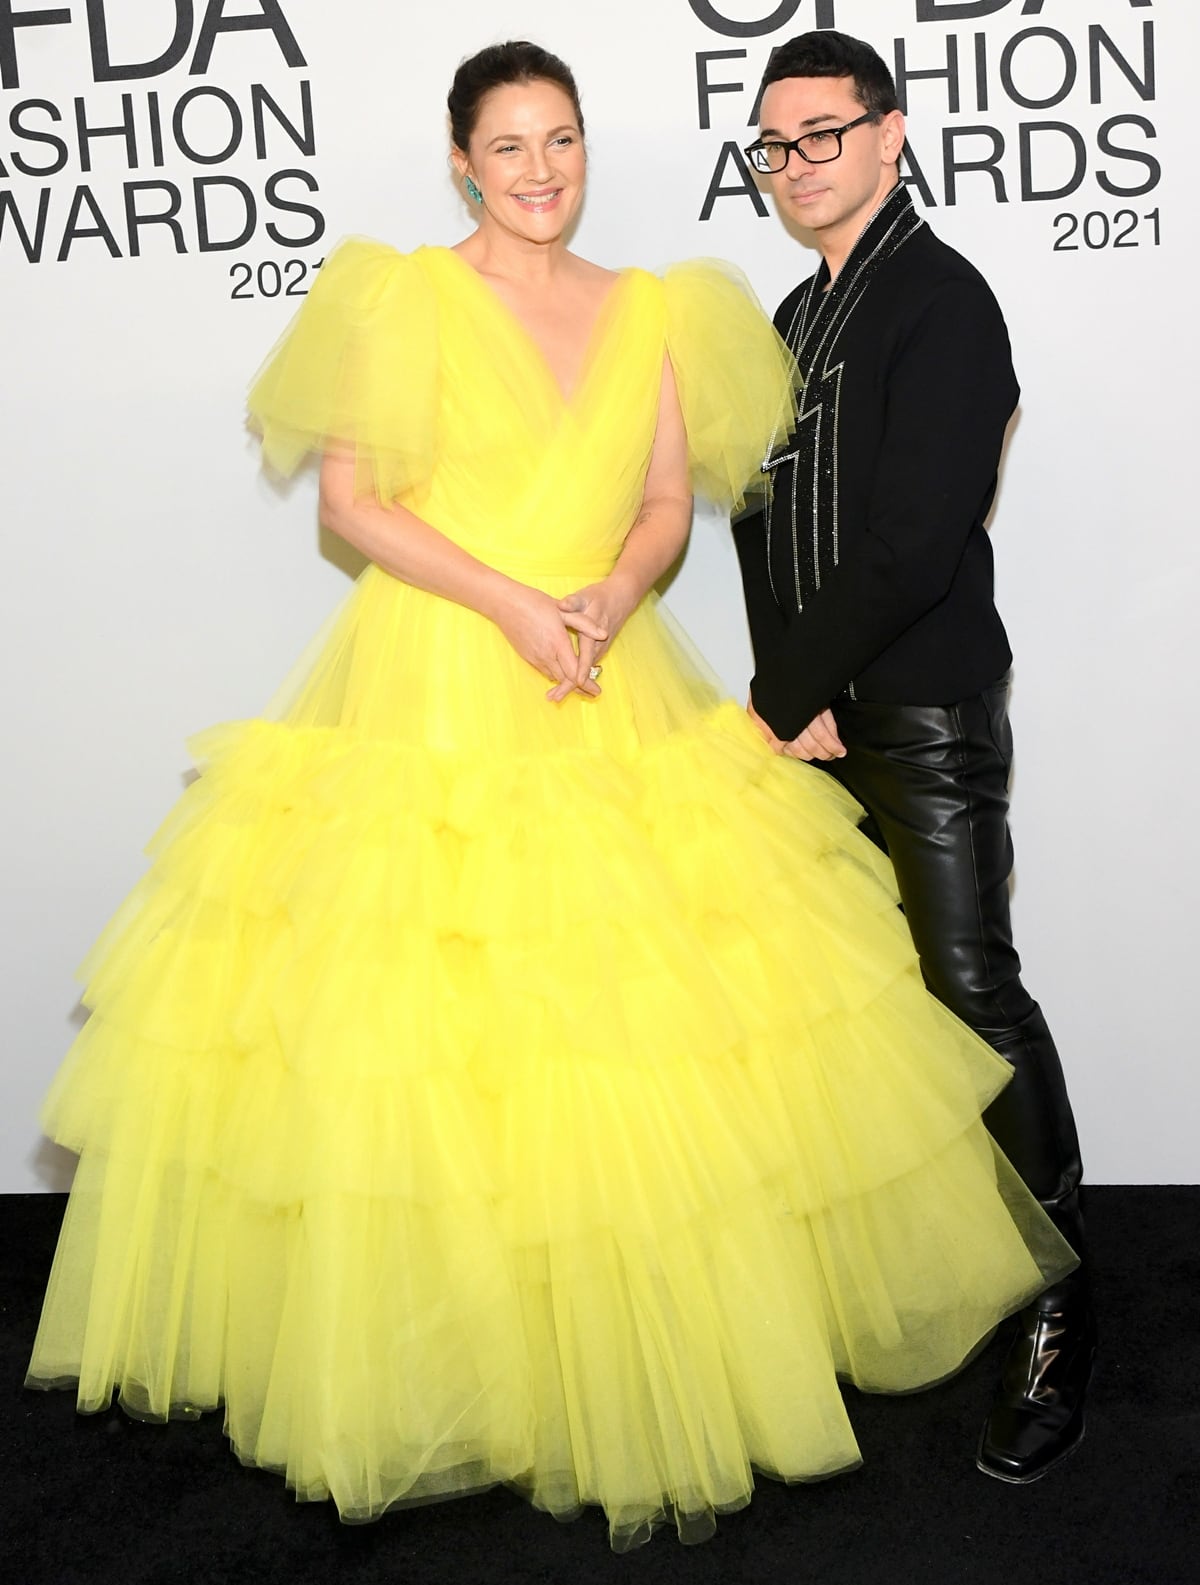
(194, 135)
(1016, 102)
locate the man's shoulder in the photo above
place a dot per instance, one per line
(922, 269)
(922, 278)
(927, 260)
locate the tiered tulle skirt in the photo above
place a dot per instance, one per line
(551, 1100)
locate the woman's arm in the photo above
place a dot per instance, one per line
(658, 535)
(661, 527)
(410, 549)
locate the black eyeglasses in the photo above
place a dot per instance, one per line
(771, 155)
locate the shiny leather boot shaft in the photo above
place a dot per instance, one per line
(934, 782)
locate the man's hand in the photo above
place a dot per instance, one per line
(775, 744)
(819, 740)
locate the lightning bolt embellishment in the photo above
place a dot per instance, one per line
(812, 449)
(807, 482)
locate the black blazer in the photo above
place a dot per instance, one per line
(884, 587)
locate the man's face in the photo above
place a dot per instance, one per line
(839, 196)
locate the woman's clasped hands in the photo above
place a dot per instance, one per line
(595, 614)
(564, 639)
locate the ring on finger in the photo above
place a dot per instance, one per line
(594, 672)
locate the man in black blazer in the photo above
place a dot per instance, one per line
(879, 652)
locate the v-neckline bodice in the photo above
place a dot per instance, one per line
(594, 345)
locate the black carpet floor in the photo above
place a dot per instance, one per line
(105, 1498)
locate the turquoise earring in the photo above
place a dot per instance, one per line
(473, 192)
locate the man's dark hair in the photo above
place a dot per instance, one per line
(497, 66)
(830, 54)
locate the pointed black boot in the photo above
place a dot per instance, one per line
(1037, 1418)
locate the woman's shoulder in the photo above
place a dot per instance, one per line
(358, 252)
(734, 375)
(703, 294)
(367, 255)
(704, 284)
(720, 275)
(357, 367)
(361, 276)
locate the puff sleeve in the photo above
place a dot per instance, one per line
(356, 368)
(737, 381)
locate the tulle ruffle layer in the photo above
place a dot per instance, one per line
(386, 1352)
(571, 1120)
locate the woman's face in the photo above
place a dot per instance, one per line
(526, 155)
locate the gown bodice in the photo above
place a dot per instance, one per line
(452, 410)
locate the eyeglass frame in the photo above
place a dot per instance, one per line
(792, 145)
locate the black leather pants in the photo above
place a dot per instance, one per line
(934, 780)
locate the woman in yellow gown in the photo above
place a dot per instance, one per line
(486, 1086)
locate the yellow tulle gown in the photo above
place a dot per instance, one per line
(480, 1090)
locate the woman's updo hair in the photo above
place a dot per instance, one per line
(498, 66)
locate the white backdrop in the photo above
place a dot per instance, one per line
(157, 583)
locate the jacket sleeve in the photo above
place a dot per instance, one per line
(767, 625)
(950, 393)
